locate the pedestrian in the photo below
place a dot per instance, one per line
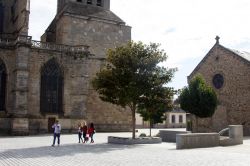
(91, 132)
(57, 132)
(84, 132)
(80, 132)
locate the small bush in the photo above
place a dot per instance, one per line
(142, 135)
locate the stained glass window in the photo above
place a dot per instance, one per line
(218, 81)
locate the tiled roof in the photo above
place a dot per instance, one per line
(243, 54)
(177, 111)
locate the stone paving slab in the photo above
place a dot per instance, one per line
(36, 151)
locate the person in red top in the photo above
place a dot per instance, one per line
(91, 132)
(84, 132)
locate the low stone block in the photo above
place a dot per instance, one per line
(170, 135)
(130, 141)
(197, 140)
(235, 136)
(236, 133)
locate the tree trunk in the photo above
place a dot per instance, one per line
(150, 127)
(133, 123)
(196, 124)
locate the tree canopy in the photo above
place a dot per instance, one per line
(131, 74)
(198, 98)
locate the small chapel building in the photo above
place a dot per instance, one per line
(41, 81)
(228, 72)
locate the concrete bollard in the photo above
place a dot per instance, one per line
(236, 133)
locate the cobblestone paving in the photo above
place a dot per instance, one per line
(36, 151)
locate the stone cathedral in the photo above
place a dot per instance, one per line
(41, 81)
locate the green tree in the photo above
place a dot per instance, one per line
(131, 72)
(198, 98)
(154, 104)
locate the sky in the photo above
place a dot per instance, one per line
(186, 29)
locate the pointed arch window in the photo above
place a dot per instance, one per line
(51, 88)
(2, 85)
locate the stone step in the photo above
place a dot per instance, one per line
(227, 141)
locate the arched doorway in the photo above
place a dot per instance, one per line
(3, 77)
(51, 88)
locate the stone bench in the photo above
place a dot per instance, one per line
(197, 140)
(170, 135)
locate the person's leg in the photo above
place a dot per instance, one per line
(91, 136)
(54, 140)
(58, 139)
(79, 137)
(84, 137)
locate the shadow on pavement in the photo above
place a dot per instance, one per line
(63, 150)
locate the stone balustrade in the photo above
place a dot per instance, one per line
(7, 40)
(58, 47)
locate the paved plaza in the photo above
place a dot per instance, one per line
(36, 150)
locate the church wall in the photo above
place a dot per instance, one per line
(80, 101)
(74, 88)
(99, 35)
(108, 116)
(234, 96)
(72, 30)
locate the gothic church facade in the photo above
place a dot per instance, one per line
(41, 81)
